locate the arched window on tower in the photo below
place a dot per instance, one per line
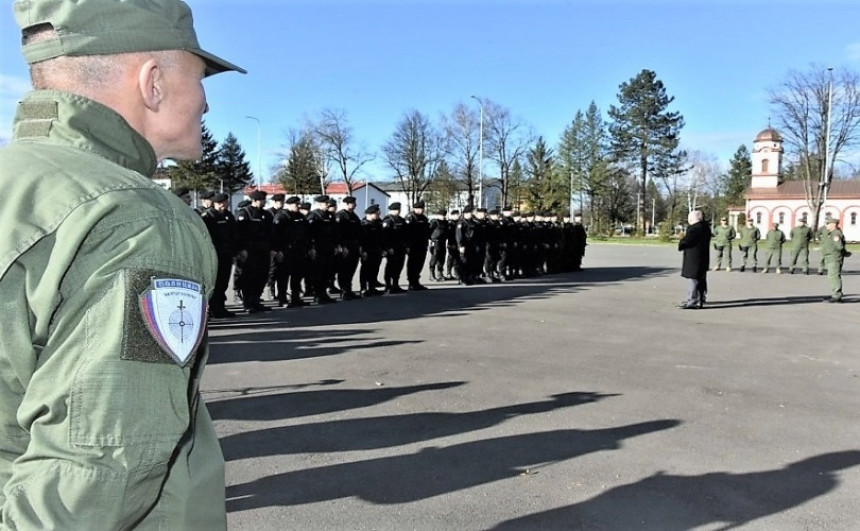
(764, 165)
(854, 218)
(758, 218)
(781, 218)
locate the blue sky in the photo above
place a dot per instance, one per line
(544, 60)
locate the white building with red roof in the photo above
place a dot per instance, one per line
(771, 200)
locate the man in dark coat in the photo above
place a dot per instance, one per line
(694, 244)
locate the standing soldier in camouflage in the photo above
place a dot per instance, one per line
(773, 247)
(748, 244)
(417, 234)
(222, 230)
(349, 228)
(821, 235)
(438, 237)
(834, 253)
(801, 235)
(723, 236)
(103, 426)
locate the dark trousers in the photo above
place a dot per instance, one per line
(254, 273)
(453, 262)
(222, 280)
(697, 289)
(437, 259)
(320, 269)
(394, 261)
(347, 264)
(415, 263)
(369, 275)
(491, 261)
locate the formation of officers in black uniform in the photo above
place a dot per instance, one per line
(301, 250)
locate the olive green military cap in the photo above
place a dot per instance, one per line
(97, 27)
(830, 219)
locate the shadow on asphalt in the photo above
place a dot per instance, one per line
(665, 502)
(433, 471)
(246, 338)
(306, 403)
(384, 432)
(770, 301)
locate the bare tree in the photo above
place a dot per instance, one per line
(802, 105)
(414, 152)
(461, 131)
(507, 140)
(336, 139)
(700, 180)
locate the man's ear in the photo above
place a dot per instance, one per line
(150, 81)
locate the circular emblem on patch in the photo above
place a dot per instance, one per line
(174, 311)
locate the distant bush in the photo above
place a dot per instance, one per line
(666, 231)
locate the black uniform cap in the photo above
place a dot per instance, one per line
(467, 210)
(208, 194)
(220, 198)
(372, 209)
(394, 206)
(181, 191)
(507, 208)
(321, 199)
(332, 202)
(258, 195)
(442, 212)
(515, 214)
(279, 197)
(305, 206)
(349, 200)
(418, 204)
(483, 210)
(494, 212)
(455, 212)
(243, 203)
(293, 200)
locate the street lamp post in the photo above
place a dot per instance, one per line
(480, 154)
(259, 141)
(825, 179)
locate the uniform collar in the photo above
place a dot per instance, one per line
(67, 119)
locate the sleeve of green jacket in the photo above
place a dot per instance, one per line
(106, 410)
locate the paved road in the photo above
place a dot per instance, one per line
(585, 401)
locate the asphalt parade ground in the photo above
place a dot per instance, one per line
(579, 401)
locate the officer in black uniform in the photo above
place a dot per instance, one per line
(493, 246)
(452, 262)
(438, 240)
(371, 246)
(507, 243)
(205, 201)
(331, 207)
(480, 220)
(349, 231)
(394, 234)
(254, 229)
(222, 230)
(468, 246)
(417, 234)
(323, 246)
(277, 255)
(296, 248)
(237, 261)
(579, 241)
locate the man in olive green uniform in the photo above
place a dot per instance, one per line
(104, 281)
(723, 236)
(773, 247)
(749, 235)
(820, 235)
(834, 253)
(801, 235)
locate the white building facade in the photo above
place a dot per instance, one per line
(769, 200)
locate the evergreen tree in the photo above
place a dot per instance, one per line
(300, 174)
(199, 174)
(584, 157)
(234, 172)
(735, 182)
(644, 132)
(545, 192)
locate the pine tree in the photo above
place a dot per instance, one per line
(644, 133)
(300, 176)
(736, 181)
(545, 191)
(234, 172)
(199, 174)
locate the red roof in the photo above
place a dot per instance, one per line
(797, 190)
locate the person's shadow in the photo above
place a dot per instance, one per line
(432, 471)
(665, 502)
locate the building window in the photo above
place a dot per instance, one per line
(758, 218)
(764, 165)
(854, 218)
(781, 218)
(373, 201)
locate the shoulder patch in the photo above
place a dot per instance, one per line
(836, 238)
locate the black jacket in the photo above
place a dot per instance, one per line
(695, 245)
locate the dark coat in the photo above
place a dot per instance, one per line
(695, 245)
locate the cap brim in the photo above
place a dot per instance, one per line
(216, 65)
